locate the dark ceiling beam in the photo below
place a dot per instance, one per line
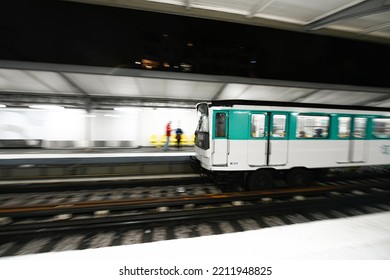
(361, 9)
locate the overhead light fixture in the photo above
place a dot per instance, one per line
(126, 109)
(112, 116)
(122, 109)
(46, 107)
(150, 64)
(2, 106)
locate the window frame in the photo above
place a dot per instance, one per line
(314, 115)
(353, 134)
(215, 124)
(337, 129)
(273, 136)
(374, 135)
(265, 128)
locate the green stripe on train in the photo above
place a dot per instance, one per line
(238, 125)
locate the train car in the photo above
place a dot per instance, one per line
(252, 142)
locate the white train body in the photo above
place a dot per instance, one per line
(243, 136)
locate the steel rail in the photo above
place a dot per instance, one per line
(255, 208)
(152, 203)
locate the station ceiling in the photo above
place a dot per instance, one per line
(27, 83)
(357, 19)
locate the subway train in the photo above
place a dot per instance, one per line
(253, 142)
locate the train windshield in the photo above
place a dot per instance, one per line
(202, 131)
(203, 121)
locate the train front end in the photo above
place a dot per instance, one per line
(202, 136)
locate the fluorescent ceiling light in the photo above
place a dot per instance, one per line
(47, 107)
(127, 109)
(2, 106)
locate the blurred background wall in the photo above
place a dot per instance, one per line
(68, 128)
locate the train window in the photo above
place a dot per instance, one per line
(359, 125)
(257, 125)
(220, 125)
(382, 128)
(279, 126)
(203, 125)
(312, 126)
(344, 127)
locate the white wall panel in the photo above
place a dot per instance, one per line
(110, 125)
(64, 125)
(72, 125)
(21, 124)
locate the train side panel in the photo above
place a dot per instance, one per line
(379, 152)
(247, 139)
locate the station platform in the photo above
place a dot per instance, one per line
(346, 248)
(21, 164)
(92, 156)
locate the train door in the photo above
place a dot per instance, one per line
(343, 147)
(359, 133)
(258, 139)
(353, 130)
(268, 143)
(278, 144)
(220, 138)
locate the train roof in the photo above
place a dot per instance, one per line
(232, 102)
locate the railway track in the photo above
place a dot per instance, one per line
(64, 193)
(108, 213)
(61, 199)
(180, 211)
